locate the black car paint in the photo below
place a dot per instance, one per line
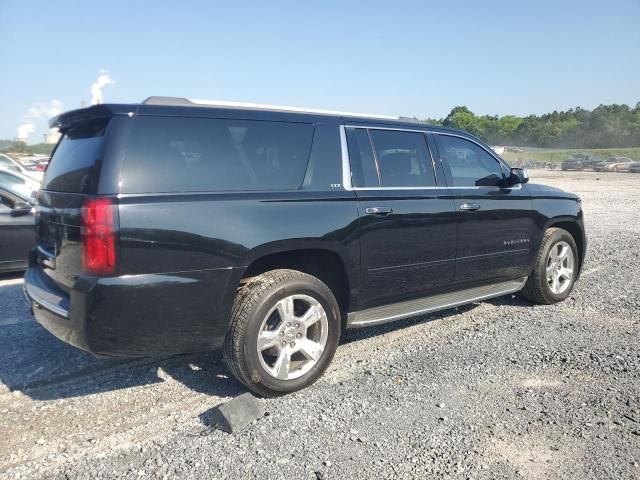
(182, 256)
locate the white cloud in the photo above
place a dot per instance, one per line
(38, 112)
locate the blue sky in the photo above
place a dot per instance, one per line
(415, 58)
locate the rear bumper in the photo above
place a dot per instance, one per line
(51, 307)
(134, 315)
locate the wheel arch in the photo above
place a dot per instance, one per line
(331, 265)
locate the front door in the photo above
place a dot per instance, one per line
(407, 229)
(495, 225)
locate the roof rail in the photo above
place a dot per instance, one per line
(255, 106)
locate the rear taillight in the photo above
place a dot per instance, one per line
(99, 227)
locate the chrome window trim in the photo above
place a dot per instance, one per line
(515, 187)
(346, 164)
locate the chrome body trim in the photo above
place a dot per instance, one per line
(346, 165)
(286, 108)
(44, 300)
(409, 308)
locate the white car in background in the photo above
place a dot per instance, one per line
(8, 163)
(19, 184)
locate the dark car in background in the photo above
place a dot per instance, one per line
(580, 162)
(17, 231)
(177, 226)
(634, 167)
(614, 164)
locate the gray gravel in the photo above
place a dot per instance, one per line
(499, 389)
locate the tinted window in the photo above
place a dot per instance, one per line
(403, 159)
(324, 171)
(363, 167)
(5, 162)
(467, 164)
(72, 164)
(176, 154)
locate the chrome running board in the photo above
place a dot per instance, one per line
(409, 308)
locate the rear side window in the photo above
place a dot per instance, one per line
(177, 154)
(363, 167)
(403, 159)
(71, 168)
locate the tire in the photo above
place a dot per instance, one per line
(257, 315)
(538, 288)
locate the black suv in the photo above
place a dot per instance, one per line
(178, 226)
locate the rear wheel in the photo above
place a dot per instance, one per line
(555, 269)
(284, 331)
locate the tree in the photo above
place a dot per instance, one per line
(604, 127)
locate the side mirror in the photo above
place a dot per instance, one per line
(517, 176)
(20, 209)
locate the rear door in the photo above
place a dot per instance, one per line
(495, 224)
(407, 233)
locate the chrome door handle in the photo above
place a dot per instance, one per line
(378, 210)
(470, 207)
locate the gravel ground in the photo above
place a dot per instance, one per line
(498, 389)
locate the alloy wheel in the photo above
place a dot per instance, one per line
(292, 337)
(560, 267)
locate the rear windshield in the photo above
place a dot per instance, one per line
(71, 168)
(178, 154)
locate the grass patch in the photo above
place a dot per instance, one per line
(558, 155)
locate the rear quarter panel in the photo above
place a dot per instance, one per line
(196, 247)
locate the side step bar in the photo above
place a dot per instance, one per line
(410, 308)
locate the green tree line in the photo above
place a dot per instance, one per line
(11, 146)
(604, 127)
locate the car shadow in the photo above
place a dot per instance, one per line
(42, 367)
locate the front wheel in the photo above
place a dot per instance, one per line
(555, 269)
(284, 332)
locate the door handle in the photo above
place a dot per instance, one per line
(470, 207)
(378, 210)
